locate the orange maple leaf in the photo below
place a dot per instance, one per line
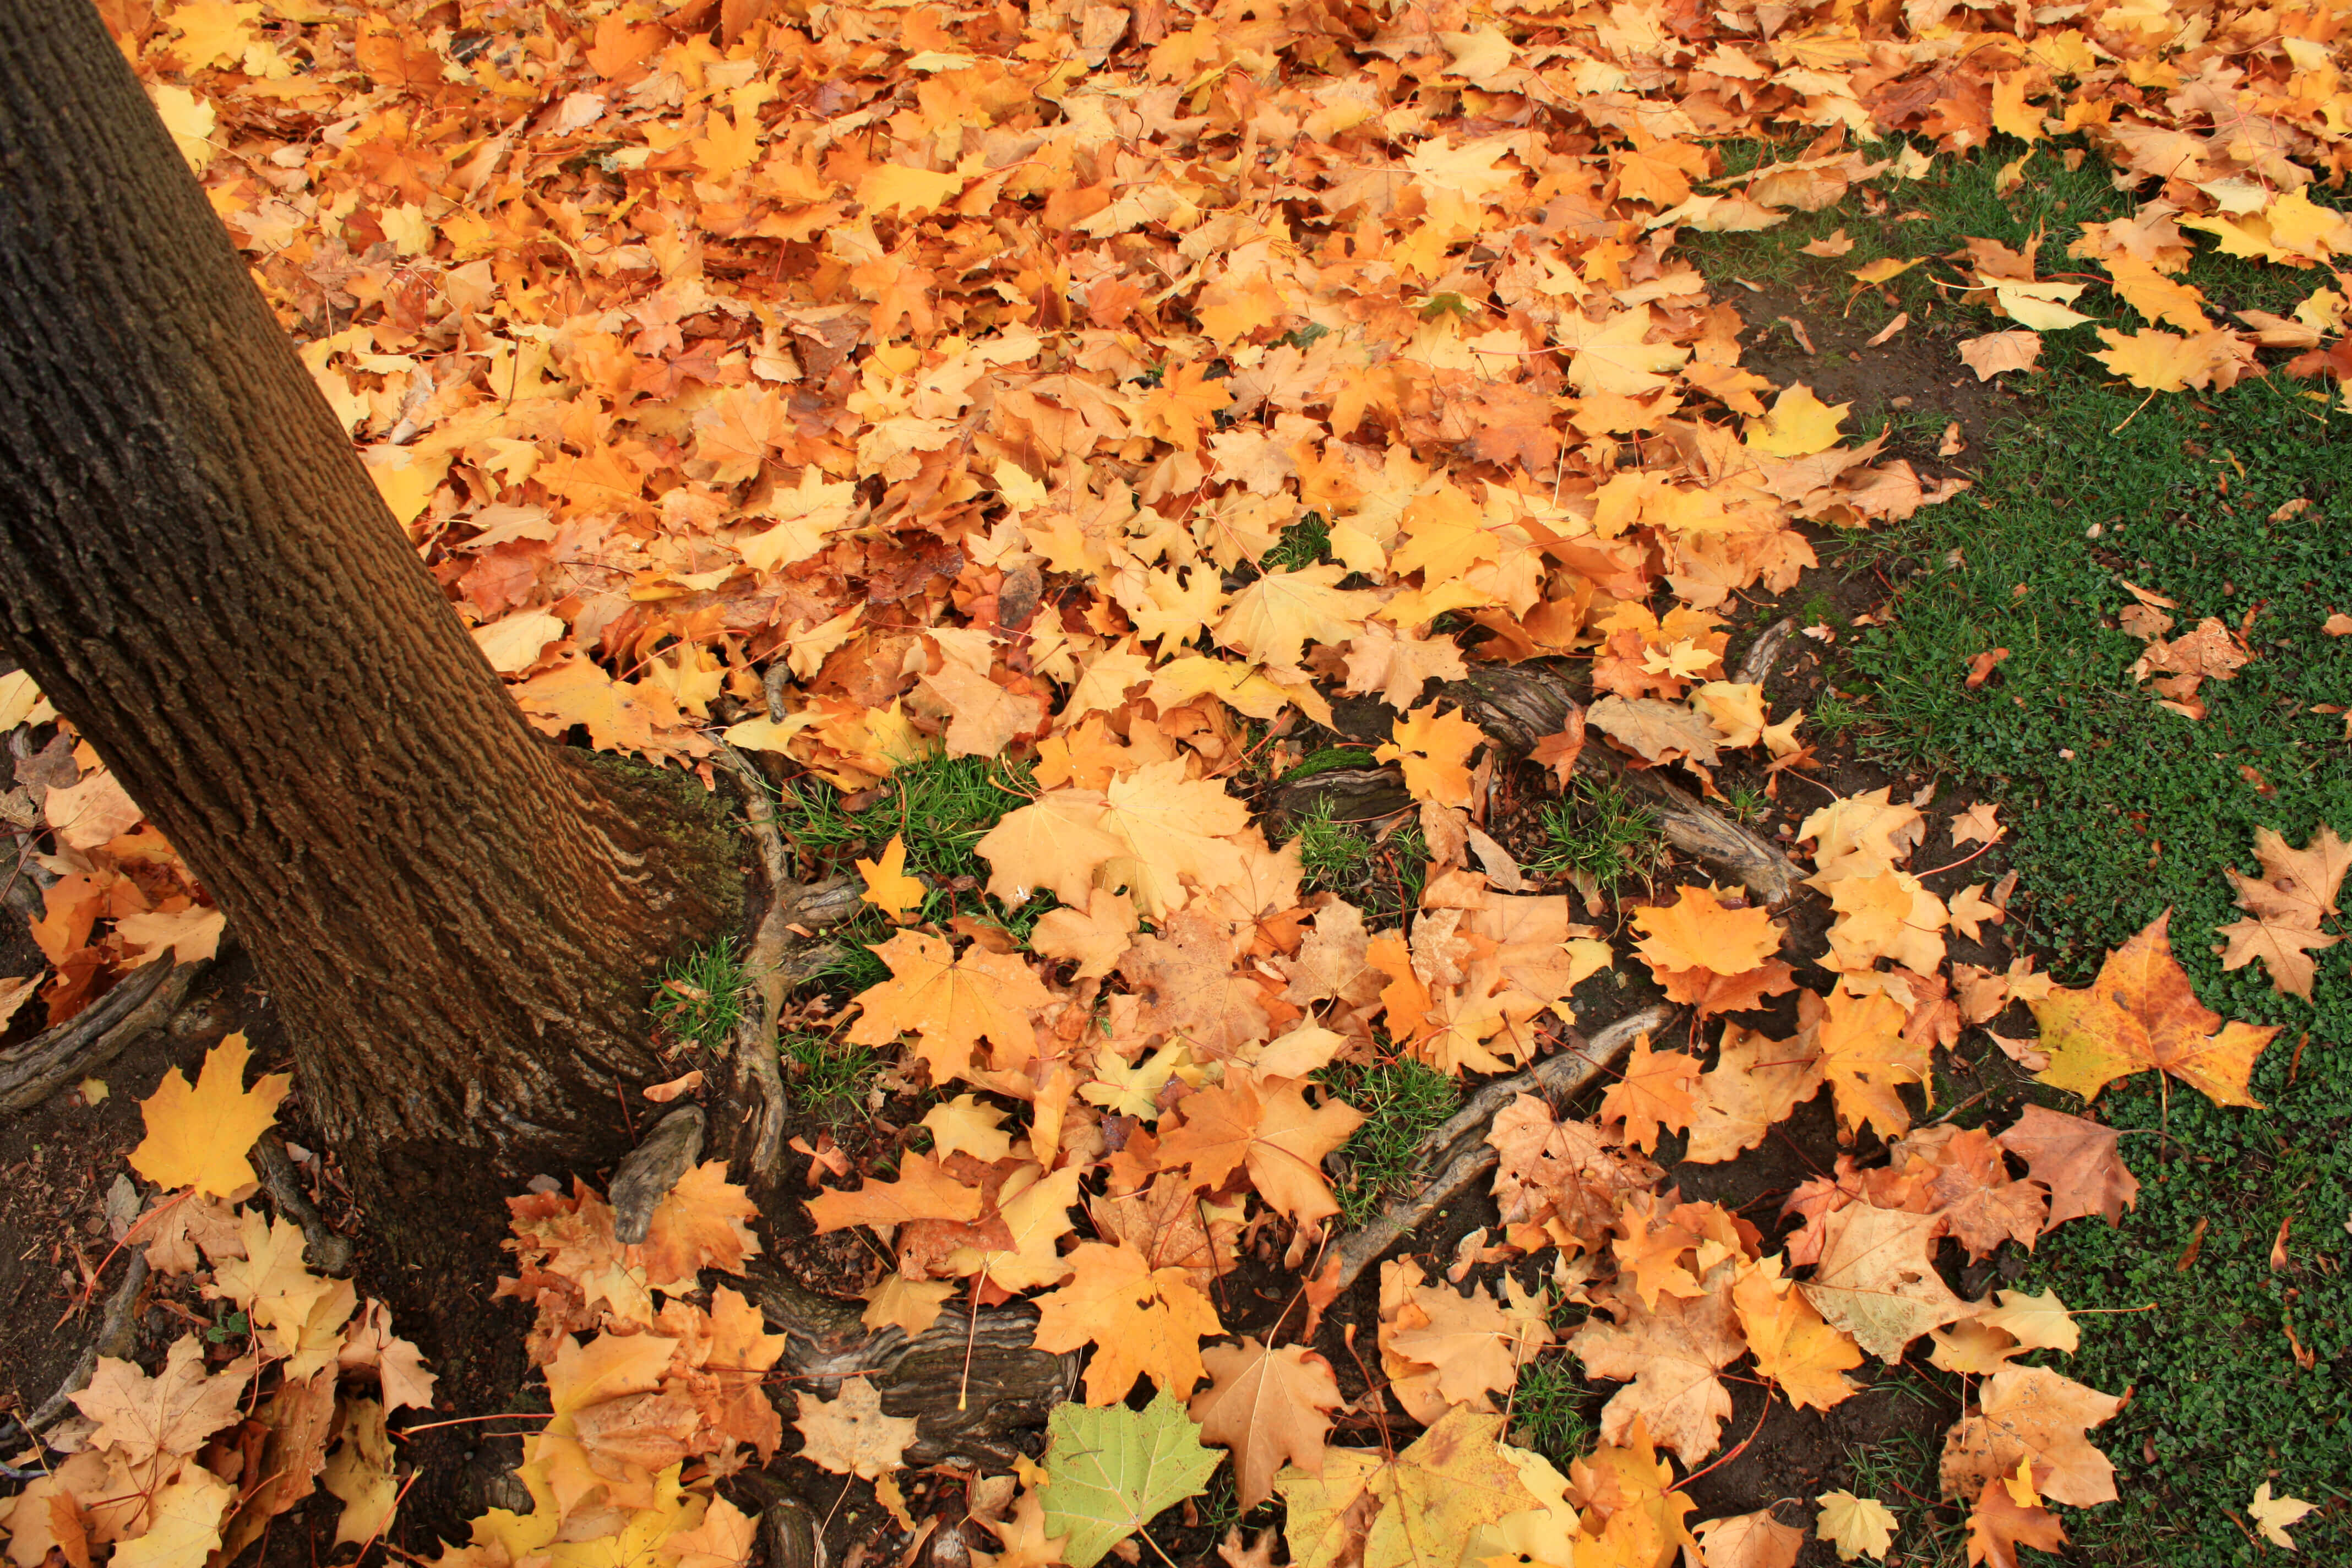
(950, 1004)
(1696, 931)
(1142, 1321)
(1433, 749)
(1654, 1093)
(923, 1191)
(2139, 1014)
(1282, 1138)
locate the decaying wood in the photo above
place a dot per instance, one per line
(651, 1169)
(1349, 794)
(788, 1526)
(1756, 664)
(1458, 1153)
(116, 1331)
(45, 1064)
(1011, 1386)
(1520, 704)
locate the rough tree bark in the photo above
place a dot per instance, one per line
(457, 919)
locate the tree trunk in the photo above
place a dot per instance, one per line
(457, 919)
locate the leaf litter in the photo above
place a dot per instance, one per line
(970, 370)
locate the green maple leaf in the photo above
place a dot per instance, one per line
(1108, 1472)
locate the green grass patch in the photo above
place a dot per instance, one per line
(1598, 829)
(1402, 1102)
(1300, 545)
(701, 998)
(827, 1076)
(2120, 809)
(1380, 876)
(1552, 1412)
(943, 808)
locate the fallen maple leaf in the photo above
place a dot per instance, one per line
(923, 1190)
(1867, 1054)
(1653, 1092)
(949, 1003)
(1755, 1084)
(1749, 1540)
(1269, 1407)
(1668, 1356)
(198, 1136)
(1696, 931)
(1432, 749)
(1655, 730)
(887, 886)
(1855, 1525)
(360, 1472)
(187, 1516)
(2294, 893)
(1452, 1480)
(1800, 424)
(1995, 352)
(1281, 1137)
(1998, 1525)
(1877, 1280)
(2140, 1014)
(2077, 1160)
(2272, 1515)
(1140, 1320)
(172, 1412)
(2029, 1412)
(1108, 1472)
(850, 1436)
(1793, 1346)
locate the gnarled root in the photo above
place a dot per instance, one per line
(45, 1064)
(976, 1415)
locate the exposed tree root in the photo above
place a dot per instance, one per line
(780, 957)
(116, 1331)
(1518, 705)
(45, 1064)
(975, 1414)
(1458, 1153)
(327, 1252)
(1756, 664)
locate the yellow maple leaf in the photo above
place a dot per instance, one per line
(1273, 618)
(1612, 355)
(1799, 425)
(1866, 1058)
(1446, 535)
(197, 1136)
(2155, 295)
(887, 886)
(212, 32)
(2157, 361)
(1182, 404)
(912, 191)
(186, 1520)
